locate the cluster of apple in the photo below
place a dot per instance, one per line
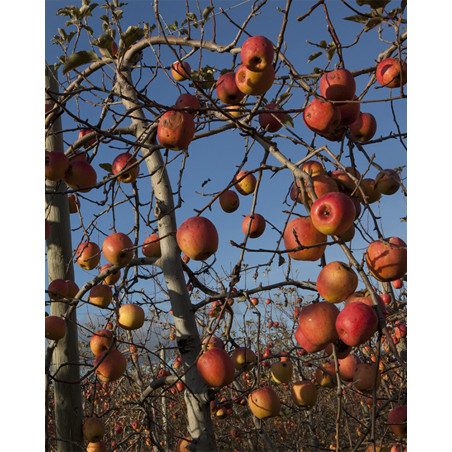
(338, 107)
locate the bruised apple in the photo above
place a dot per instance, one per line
(176, 130)
(227, 89)
(197, 237)
(125, 162)
(321, 117)
(301, 231)
(257, 53)
(254, 83)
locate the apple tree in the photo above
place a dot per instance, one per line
(225, 225)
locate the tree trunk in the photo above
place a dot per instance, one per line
(68, 400)
(187, 336)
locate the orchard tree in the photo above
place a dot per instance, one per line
(225, 226)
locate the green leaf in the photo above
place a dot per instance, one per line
(373, 3)
(288, 121)
(282, 97)
(330, 51)
(314, 55)
(372, 23)
(322, 44)
(130, 37)
(357, 18)
(79, 58)
(191, 16)
(107, 167)
(207, 11)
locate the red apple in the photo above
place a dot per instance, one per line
(112, 278)
(212, 342)
(180, 70)
(93, 429)
(365, 298)
(243, 356)
(370, 190)
(321, 117)
(81, 176)
(84, 132)
(349, 111)
(336, 281)
(272, 122)
(186, 100)
(151, 247)
(364, 376)
(347, 366)
(356, 323)
(125, 162)
(87, 255)
(337, 85)
(333, 213)
(304, 393)
(264, 403)
(57, 289)
(387, 259)
(245, 183)
(197, 237)
(305, 344)
(55, 327)
(254, 83)
(101, 295)
(176, 130)
(216, 368)
(397, 420)
(56, 165)
(131, 316)
(257, 53)
(344, 182)
(112, 367)
(391, 72)
(313, 168)
(72, 289)
(364, 128)
(317, 322)
(257, 227)
(387, 182)
(301, 231)
(227, 89)
(117, 249)
(101, 341)
(229, 201)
